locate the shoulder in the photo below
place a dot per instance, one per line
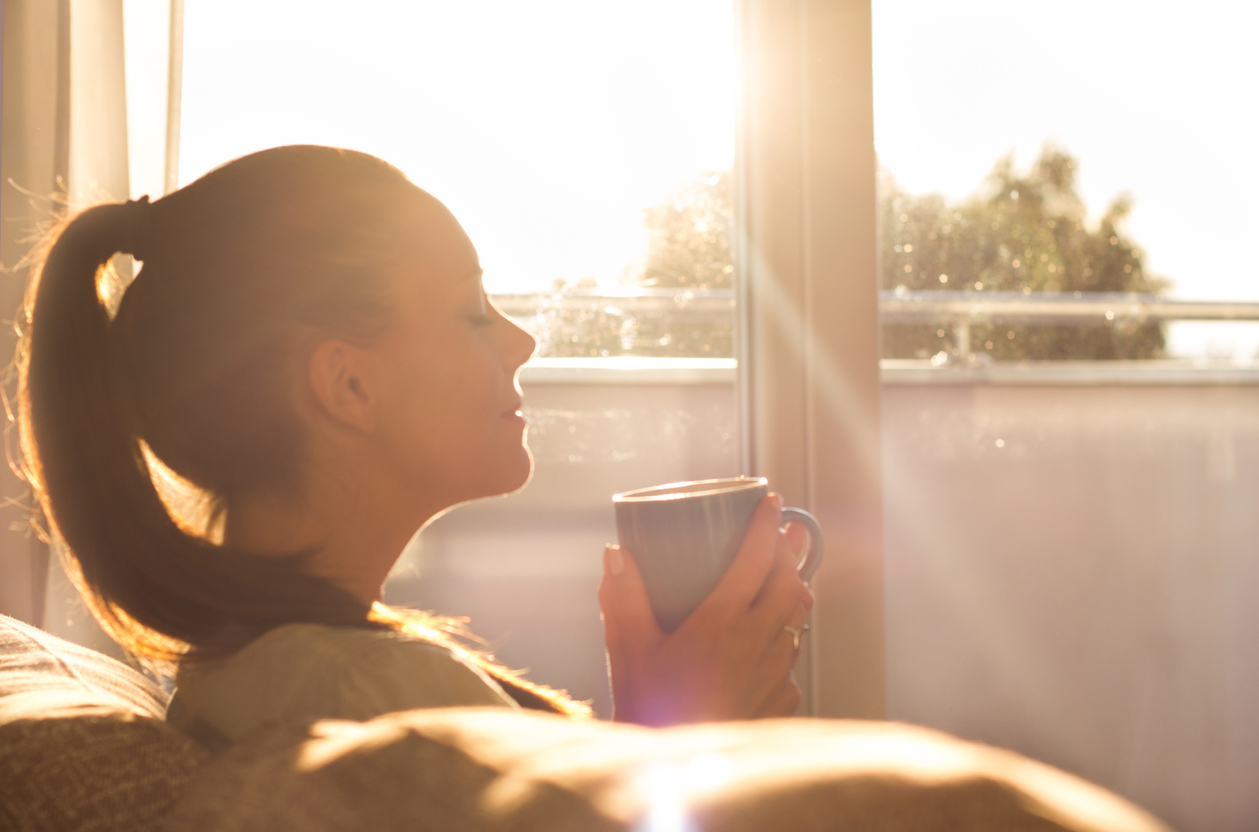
(327, 642)
(326, 649)
(388, 671)
(374, 664)
(313, 671)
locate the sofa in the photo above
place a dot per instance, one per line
(83, 746)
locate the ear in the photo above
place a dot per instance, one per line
(340, 379)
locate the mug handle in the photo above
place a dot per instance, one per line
(814, 557)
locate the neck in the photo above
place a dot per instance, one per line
(353, 540)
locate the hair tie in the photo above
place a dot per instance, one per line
(135, 227)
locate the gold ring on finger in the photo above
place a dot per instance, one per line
(796, 633)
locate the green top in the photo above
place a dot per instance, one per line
(315, 671)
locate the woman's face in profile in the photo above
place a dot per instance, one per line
(450, 408)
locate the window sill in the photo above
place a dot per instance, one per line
(637, 370)
(1154, 373)
(629, 369)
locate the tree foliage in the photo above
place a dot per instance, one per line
(1023, 232)
(688, 249)
(613, 329)
(688, 244)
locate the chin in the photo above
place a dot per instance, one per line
(523, 474)
(496, 474)
(511, 475)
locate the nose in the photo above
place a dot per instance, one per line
(518, 344)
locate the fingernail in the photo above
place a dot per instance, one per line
(778, 500)
(613, 561)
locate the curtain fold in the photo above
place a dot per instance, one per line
(98, 160)
(66, 143)
(34, 156)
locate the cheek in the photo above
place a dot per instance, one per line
(463, 453)
(445, 417)
(439, 403)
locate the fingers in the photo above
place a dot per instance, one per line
(784, 701)
(623, 599)
(788, 641)
(806, 597)
(783, 595)
(746, 575)
(793, 637)
(799, 618)
(797, 537)
(783, 654)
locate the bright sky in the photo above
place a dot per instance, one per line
(547, 127)
(146, 38)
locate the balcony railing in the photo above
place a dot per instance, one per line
(963, 309)
(716, 302)
(957, 310)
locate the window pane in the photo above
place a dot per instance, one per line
(1140, 108)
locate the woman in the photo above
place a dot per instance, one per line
(306, 371)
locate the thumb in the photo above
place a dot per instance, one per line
(623, 599)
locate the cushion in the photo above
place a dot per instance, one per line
(491, 769)
(82, 741)
(42, 675)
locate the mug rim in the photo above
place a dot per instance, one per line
(689, 488)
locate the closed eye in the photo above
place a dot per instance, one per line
(482, 316)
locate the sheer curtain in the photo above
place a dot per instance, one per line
(89, 86)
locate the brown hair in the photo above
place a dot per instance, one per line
(193, 376)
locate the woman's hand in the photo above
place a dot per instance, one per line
(732, 658)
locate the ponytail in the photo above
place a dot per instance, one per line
(155, 587)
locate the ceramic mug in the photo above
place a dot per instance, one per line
(684, 535)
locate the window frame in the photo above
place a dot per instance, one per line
(808, 343)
